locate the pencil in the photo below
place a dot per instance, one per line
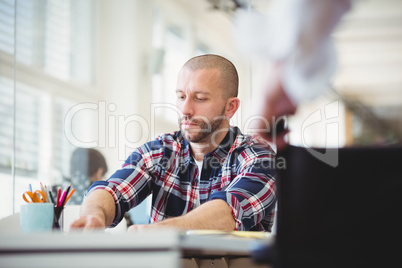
(41, 187)
(44, 191)
(51, 196)
(47, 194)
(70, 194)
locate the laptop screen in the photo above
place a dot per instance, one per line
(343, 216)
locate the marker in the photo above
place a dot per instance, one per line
(58, 197)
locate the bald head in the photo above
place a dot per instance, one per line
(228, 73)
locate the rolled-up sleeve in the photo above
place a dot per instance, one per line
(251, 194)
(131, 184)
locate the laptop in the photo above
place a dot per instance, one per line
(344, 216)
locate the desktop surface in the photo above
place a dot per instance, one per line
(164, 248)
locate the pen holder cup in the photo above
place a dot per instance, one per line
(36, 217)
(58, 219)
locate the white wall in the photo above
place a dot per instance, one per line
(124, 52)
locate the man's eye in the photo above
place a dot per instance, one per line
(181, 97)
(200, 99)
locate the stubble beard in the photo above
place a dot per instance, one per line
(205, 131)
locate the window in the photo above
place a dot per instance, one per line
(48, 47)
(26, 128)
(55, 36)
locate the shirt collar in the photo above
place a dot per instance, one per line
(220, 153)
(186, 152)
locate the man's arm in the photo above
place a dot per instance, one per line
(97, 211)
(212, 215)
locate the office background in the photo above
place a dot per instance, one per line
(102, 74)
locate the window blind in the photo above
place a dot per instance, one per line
(26, 129)
(52, 35)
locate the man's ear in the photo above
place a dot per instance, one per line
(232, 104)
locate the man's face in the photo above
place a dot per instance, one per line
(200, 99)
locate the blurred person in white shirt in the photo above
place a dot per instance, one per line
(294, 40)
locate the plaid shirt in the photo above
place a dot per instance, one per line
(239, 171)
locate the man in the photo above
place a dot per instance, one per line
(206, 176)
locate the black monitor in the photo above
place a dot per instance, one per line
(349, 215)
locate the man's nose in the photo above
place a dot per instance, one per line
(188, 107)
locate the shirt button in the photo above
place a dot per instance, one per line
(196, 180)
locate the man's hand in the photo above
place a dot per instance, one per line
(97, 212)
(88, 223)
(273, 104)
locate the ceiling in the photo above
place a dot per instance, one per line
(369, 46)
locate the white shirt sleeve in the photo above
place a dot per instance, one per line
(297, 34)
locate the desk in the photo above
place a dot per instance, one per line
(165, 248)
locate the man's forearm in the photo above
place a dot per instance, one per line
(100, 204)
(212, 215)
